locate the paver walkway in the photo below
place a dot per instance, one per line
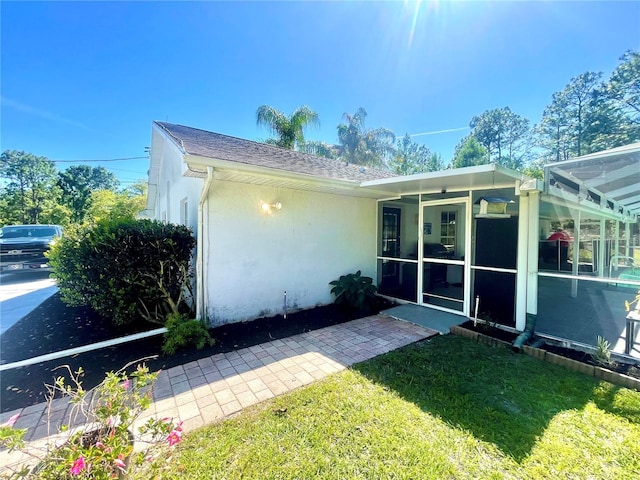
(216, 387)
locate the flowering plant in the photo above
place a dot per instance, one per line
(628, 305)
(105, 443)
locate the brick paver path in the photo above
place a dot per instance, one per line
(216, 387)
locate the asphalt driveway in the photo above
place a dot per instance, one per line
(20, 293)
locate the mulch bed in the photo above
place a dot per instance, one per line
(53, 326)
(490, 331)
(630, 369)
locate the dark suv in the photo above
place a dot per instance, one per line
(22, 247)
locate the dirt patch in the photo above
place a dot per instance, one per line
(490, 331)
(53, 327)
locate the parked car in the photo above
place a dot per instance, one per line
(22, 247)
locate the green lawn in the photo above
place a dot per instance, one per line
(446, 408)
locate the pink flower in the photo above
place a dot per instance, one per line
(77, 466)
(125, 384)
(12, 420)
(120, 462)
(174, 437)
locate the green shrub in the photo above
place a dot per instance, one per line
(184, 331)
(126, 269)
(354, 291)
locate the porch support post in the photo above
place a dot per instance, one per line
(601, 247)
(532, 252)
(616, 233)
(202, 254)
(627, 239)
(522, 260)
(576, 253)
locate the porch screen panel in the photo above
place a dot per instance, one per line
(397, 247)
(494, 269)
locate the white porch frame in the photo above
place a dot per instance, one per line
(466, 201)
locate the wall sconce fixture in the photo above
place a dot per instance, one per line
(268, 207)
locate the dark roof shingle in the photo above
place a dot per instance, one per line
(232, 149)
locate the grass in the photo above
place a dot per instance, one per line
(446, 408)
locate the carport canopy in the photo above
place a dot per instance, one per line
(457, 179)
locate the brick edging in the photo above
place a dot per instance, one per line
(591, 370)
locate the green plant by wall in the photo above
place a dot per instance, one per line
(126, 270)
(354, 291)
(602, 354)
(183, 331)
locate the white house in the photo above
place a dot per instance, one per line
(275, 226)
(267, 220)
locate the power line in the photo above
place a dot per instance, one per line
(95, 161)
(122, 170)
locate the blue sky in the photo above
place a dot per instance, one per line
(84, 80)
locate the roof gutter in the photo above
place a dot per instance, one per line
(201, 310)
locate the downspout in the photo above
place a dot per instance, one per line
(531, 266)
(525, 336)
(200, 256)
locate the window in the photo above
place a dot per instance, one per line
(391, 232)
(448, 230)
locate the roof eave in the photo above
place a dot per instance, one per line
(242, 172)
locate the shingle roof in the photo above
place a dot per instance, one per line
(232, 149)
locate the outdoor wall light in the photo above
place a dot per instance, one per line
(267, 207)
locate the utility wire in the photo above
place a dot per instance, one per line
(95, 161)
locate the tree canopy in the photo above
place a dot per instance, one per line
(30, 187)
(288, 130)
(114, 205)
(503, 134)
(624, 86)
(32, 192)
(363, 146)
(411, 158)
(77, 184)
(591, 115)
(469, 152)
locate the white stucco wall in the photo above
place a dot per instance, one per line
(174, 189)
(254, 257)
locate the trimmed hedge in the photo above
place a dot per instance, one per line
(125, 269)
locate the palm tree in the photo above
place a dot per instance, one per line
(361, 146)
(288, 130)
(321, 149)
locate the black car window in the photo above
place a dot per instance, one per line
(28, 232)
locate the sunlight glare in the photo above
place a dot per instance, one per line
(431, 5)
